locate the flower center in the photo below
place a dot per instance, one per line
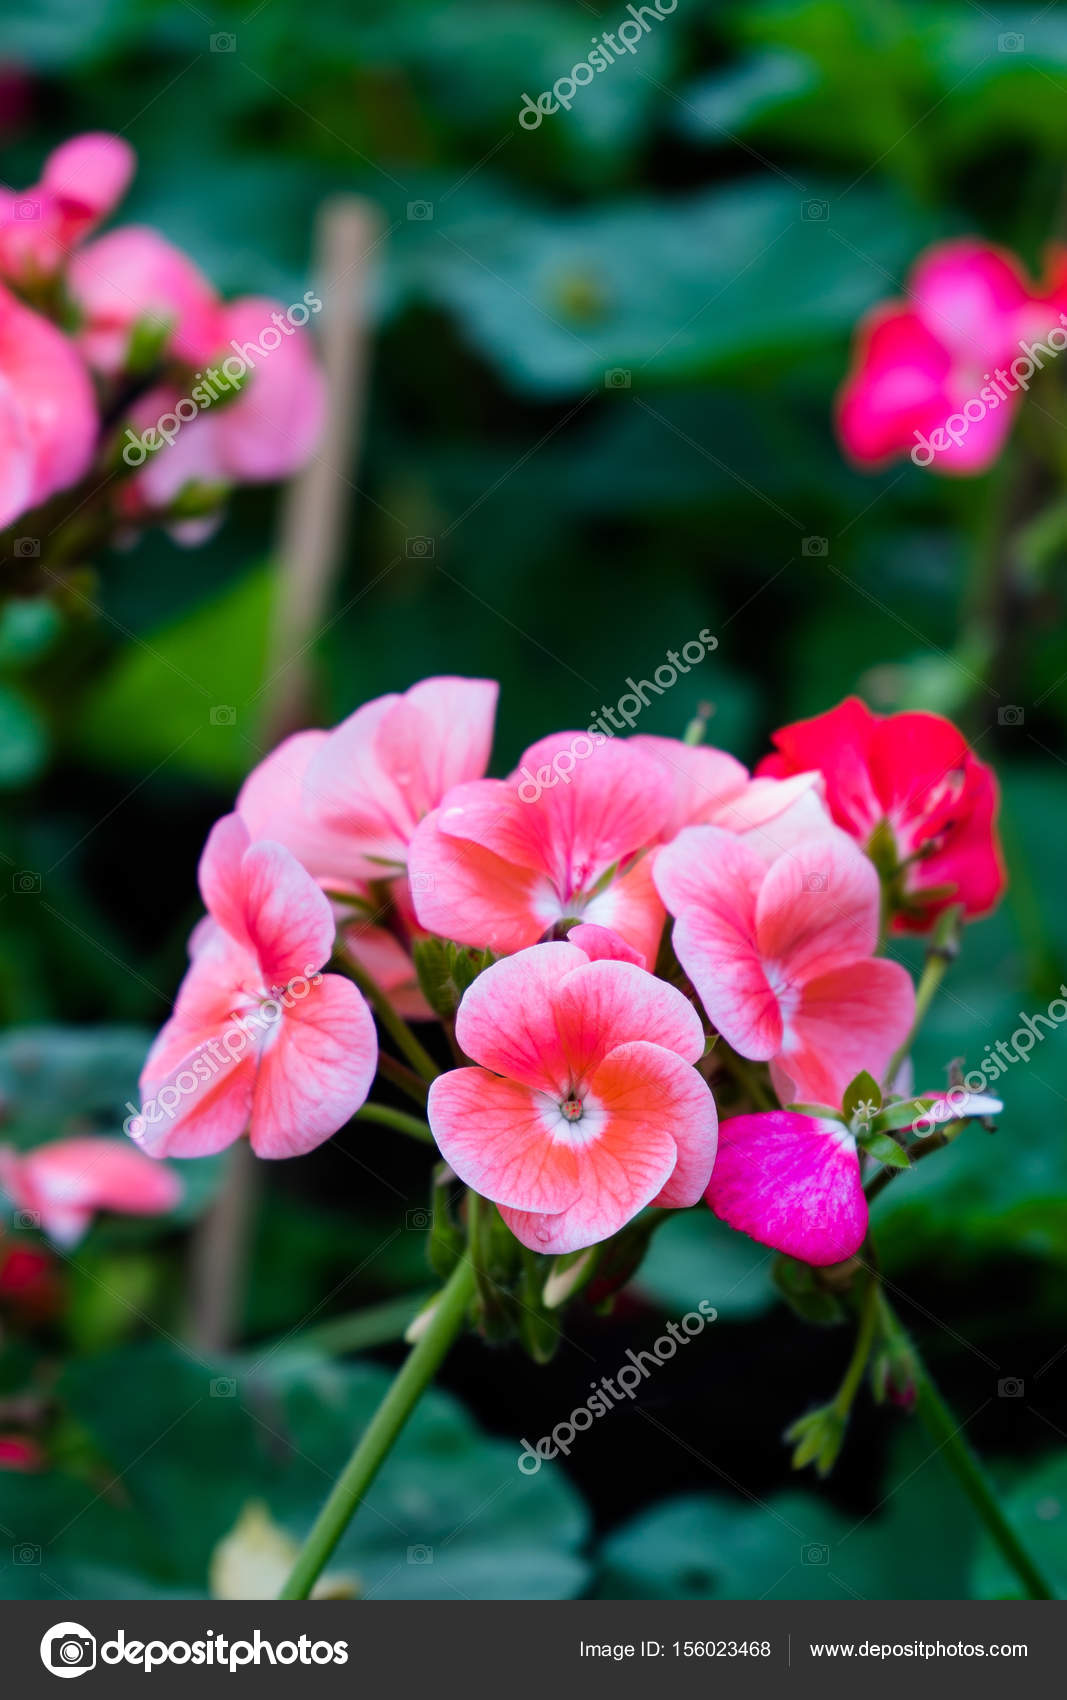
(571, 1109)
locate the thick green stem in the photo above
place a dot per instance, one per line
(943, 1428)
(398, 1119)
(420, 1366)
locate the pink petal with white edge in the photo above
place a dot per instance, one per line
(628, 1157)
(605, 1004)
(447, 741)
(202, 1100)
(466, 893)
(818, 908)
(316, 1073)
(709, 868)
(791, 1182)
(500, 1137)
(603, 944)
(507, 1020)
(851, 1019)
(775, 815)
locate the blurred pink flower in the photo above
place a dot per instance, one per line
(586, 1106)
(67, 1183)
(940, 376)
(48, 417)
(82, 182)
(133, 276)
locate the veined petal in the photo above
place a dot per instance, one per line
(792, 1182)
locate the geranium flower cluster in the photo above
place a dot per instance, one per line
(609, 951)
(940, 376)
(118, 338)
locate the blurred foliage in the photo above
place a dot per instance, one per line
(600, 419)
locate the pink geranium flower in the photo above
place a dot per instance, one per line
(781, 956)
(503, 861)
(82, 182)
(48, 416)
(941, 376)
(260, 1042)
(64, 1185)
(914, 776)
(711, 788)
(585, 1106)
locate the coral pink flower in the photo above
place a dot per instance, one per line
(914, 776)
(586, 1106)
(66, 1183)
(48, 418)
(942, 376)
(134, 276)
(260, 1041)
(781, 956)
(505, 860)
(792, 1182)
(82, 182)
(711, 788)
(379, 772)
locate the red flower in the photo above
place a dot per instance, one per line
(911, 791)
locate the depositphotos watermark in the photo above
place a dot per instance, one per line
(608, 47)
(606, 1392)
(203, 1064)
(998, 385)
(69, 1650)
(610, 722)
(999, 1058)
(221, 382)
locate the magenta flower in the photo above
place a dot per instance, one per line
(915, 776)
(781, 956)
(793, 1182)
(134, 276)
(261, 1041)
(940, 377)
(503, 861)
(65, 1184)
(585, 1106)
(48, 417)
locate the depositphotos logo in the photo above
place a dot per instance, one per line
(69, 1649)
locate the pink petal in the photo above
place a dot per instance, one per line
(445, 742)
(971, 296)
(850, 1019)
(272, 428)
(102, 1174)
(201, 1102)
(792, 1182)
(818, 908)
(17, 463)
(51, 388)
(500, 1137)
(287, 916)
(134, 274)
(463, 892)
(317, 1072)
(630, 906)
(628, 1158)
(603, 944)
(897, 386)
(220, 878)
(90, 173)
(602, 1005)
(271, 802)
(703, 780)
(508, 1020)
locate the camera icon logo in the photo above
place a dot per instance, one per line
(816, 212)
(28, 210)
(1010, 42)
(417, 1220)
(420, 212)
(26, 1219)
(27, 548)
(1010, 1388)
(224, 42)
(25, 1553)
(224, 1387)
(816, 1552)
(816, 882)
(617, 378)
(420, 1555)
(223, 714)
(815, 546)
(1010, 715)
(68, 1649)
(27, 883)
(422, 882)
(420, 548)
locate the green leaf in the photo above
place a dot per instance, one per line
(23, 739)
(884, 1150)
(1037, 1506)
(860, 1093)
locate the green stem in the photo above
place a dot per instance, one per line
(398, 1119)
(442, 1327)
(943, 1428)
(394, 1024)
(399, 1075)
(850, 1386)
(942, 951)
